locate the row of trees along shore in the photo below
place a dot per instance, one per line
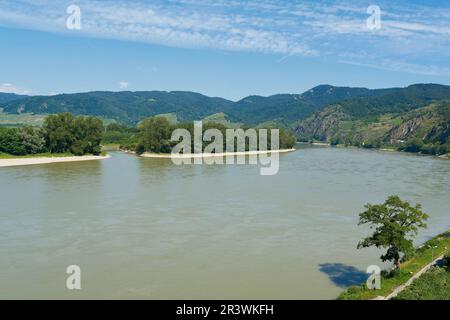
(61, 133)
(154, 135)
(80, 135)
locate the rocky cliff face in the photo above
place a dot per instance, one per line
(428, 125)
(321, 126)
(440, 133)
(406, 130)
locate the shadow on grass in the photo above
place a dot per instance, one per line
(343, 275)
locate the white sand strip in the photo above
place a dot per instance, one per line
(324, 144)
(45, 160)
(209, 155)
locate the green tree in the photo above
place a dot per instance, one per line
(154, 135)
(88, 133)
(287, 139)
(32, 139)
(10, 142)
(59, 132)
(396, 223)
(125, 136)
(22, 141)
(66, 133)
(415, 145)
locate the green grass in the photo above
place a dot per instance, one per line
(221, 118)
(423, 256)
(346, 125)
(13, 120)
(171, 117)
(433, 285)
(30, 119)
(111, 147)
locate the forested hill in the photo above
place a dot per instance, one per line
(128, 107)
(414, 119)
(131, 107)
(8, 97)
(395, 100)
(370, 108)
(289, 107)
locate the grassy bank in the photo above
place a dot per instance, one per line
(111, 147)
(433, 285)
(389, 281)
(37, 155)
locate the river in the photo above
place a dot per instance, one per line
(148, 229)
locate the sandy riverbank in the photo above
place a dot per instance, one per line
(323, 144)
(45, 160)
(209, 155)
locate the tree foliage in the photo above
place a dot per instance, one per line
(61, 133)
(123, 135)
(396, 223)
(32, 139)
(79, 135)
(131, 107)
(22, 141)
(155, 134)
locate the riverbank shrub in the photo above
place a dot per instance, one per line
(79, 135)
(446, 261)
(61, 133)
(22, 141)
(119, 134)
(155, 135)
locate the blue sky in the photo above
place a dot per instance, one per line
(221, 48)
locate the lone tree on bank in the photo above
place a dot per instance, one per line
(396, 223)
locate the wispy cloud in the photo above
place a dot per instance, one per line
(288, 28)
(10, 88)
(123, 84)
(397, 65)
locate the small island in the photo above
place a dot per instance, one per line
(152, 139)
(62, 138)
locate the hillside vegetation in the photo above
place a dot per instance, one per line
(61, 134)
(433, 285)
(392, 279)
(408, 120)
(415, 118)
(131, 107)
(127, 107)
(8, 97)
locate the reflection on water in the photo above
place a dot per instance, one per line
(145, 228)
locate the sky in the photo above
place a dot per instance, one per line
(224, 48)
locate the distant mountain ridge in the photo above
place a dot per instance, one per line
(128, 107)
(391, 101)
(131, 107)
(288, 107)
(416, 118)
(8, 97)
